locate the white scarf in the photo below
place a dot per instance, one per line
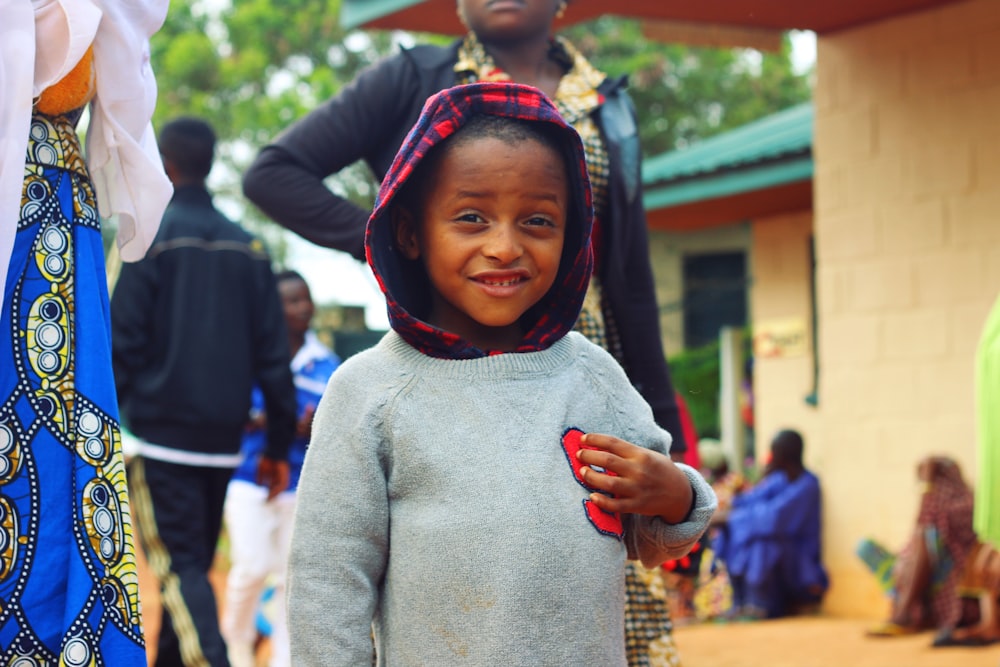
(40, 42)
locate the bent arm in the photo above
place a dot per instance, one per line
(286, 179)
(628, 275)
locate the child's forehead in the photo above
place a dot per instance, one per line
(535, 142)
(479, 156)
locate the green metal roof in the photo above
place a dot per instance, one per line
(354, 13)
(774, 150)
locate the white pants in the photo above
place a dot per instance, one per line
(260, 534)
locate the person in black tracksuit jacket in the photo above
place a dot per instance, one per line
(195, 324)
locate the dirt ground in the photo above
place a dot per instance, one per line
(814, 641)
(817, 642)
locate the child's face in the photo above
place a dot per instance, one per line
(297, 304)
(490, 235)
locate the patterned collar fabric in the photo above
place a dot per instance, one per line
(404, 283)
(577, 94)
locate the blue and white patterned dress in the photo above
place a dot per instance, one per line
(69, 592)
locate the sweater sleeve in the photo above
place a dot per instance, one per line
(652, 540)
(286, 179)
(340, 538)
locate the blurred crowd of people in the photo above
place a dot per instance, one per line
(761, 556)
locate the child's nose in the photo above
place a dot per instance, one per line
(503, 244)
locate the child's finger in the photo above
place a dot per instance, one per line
(598, 458)
(608, 482)
(606, 451)
(608, 443)
(612, 504)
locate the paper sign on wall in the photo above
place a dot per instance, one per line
(787, 337)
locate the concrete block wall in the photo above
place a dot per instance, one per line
(781, 290)
(907, 227)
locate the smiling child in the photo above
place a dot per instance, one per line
(476, 481)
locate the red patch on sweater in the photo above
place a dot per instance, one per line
(608, 523)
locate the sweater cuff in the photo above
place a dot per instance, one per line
(652, 540)
(694, 503)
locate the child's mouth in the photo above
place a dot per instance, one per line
(501, 283)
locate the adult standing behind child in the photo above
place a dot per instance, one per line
(195, 325)
(69, 591)
(368, 121)
(453, 492)
(259, 528)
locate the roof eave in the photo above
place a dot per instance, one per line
(727, 183)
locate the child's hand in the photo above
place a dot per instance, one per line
(645, 481)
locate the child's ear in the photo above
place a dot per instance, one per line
(405, 228)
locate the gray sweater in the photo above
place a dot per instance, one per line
(460, 467)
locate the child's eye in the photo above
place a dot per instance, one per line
(470, 217)
(539, 221)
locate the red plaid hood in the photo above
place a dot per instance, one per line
(554, 316)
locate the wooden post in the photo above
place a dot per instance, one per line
(733, 435)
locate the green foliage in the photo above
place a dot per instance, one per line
(251, 68)
(695, 374)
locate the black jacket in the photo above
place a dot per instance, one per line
(194, 325)
(369, 119)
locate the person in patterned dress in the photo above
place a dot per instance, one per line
(69, 591)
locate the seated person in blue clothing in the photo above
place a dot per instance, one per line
(772, 545)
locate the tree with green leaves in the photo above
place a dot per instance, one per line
(251, 68)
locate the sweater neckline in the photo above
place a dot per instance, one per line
(507, 365)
